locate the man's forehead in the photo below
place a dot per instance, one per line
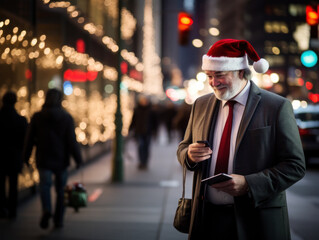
(215, 72)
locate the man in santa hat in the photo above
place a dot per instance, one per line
(253, 137)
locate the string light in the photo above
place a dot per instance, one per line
(153, 79)
(20, 47)
(77, 103)
(128, 26)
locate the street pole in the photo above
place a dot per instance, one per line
(117, 168)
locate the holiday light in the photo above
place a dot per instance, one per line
(152, 74)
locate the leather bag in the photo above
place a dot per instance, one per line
(183, 211)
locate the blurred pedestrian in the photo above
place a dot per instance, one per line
(181, 119)
(156, 109)
(168, 115)
(12, 133)
(259, 147)
(142, 126)
(51, 131)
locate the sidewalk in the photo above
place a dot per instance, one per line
(142, 207)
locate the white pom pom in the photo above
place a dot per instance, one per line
(261, 66)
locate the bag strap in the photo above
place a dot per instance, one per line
(82, 175)
(184, 180)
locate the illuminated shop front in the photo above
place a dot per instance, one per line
(73, 48)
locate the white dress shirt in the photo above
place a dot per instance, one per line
(215, 196)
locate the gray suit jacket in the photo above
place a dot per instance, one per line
(268, 153)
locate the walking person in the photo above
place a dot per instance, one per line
(51, 131)
(252, 136)
(169, 112)
(12, 133)
(181, 119)
(142, 125)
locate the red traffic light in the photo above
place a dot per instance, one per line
(312, 16)
(185, 21)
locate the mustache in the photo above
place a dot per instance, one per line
(219, 87)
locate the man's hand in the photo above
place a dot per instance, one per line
(197, 152)
(235, 187)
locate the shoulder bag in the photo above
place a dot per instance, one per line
(183, 211)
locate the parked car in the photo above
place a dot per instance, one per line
(308, 124)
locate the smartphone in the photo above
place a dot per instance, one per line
(221, 177)
(204, 141)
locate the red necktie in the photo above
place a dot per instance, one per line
(223, 151)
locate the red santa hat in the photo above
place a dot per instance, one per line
(231, 55)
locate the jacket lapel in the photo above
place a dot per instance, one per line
(251, 105)
(208, 128)
(210, 108)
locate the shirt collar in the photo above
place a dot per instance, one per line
(242, 96)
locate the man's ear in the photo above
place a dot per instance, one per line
(241, 74)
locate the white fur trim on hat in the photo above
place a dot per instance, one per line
(224, 63)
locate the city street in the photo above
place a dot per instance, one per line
(303, 203)
(78, 77)
(143, 206)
